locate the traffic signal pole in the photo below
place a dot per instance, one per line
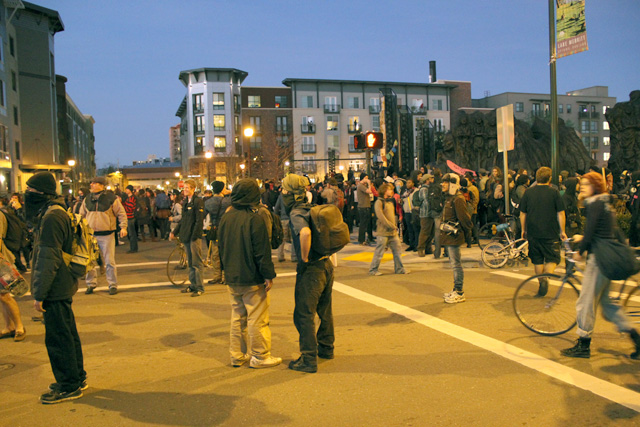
(555, 167)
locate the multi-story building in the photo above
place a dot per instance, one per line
(328, 113)
(174, 143)
(581, 109)
(211, 144)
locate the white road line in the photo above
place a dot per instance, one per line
(609, 391)
(167, 283)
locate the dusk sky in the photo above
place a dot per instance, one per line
(122, 58)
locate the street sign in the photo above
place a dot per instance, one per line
(506, 136)
(180, 184)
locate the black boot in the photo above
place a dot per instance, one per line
(581, 349)
(635, 336)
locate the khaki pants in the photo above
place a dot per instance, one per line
(215, 262)
(249, 322)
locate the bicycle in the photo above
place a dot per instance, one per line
(489, 232)
(177, 265)
(496, 254)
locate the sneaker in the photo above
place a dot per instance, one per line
(544, 287)
(454, 297)
(197, 293)
(113, 290)
(58, 396)
(215, 282)
(131, 252)
(377, 273)
(265, 363)
(186, 290)
(89, 290)
(405, 271)
(236, 363)
(56, 386)
(299, 365)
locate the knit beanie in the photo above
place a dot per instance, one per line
(44, 182)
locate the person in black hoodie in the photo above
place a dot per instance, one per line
(245, 255)
(572, 212)
(53, 287)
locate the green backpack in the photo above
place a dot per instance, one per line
(329, 233)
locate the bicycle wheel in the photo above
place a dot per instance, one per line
(632, 306)
(486, 234)
(553, 313)
(495, 255)
(177, 269)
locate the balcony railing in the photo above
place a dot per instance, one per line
(374, 109)
(198, 149)
(583, 115)
(308, 148)
(197, 130)
(419, 110)
(198, 109)
(331, 108)
(354, 128)
(283, 129)
(309, 167)
(220, 149)
(308, 128)
(595, 115)
(218, 106)
(353, 149)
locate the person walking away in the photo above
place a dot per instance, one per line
(475, 201)
(53, 287)
(456, 224)
(245, 253)
(542, 219)
(215, 207)
(163, 212)
(130, 206)
(314, 282)
(101, 208)
(153, 224)
(176, 210)
(572, 211)
(436, 199)
(281, 211)
(426, 233)
(387, 233)
(143, 214)
(595, 286)
(407, 207)
(364, 210)
(189, 231)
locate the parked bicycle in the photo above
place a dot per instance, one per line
(498, 253)
(489, 232)
(177, 265)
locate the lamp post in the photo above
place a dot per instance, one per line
(72, 163)
(248, 132)
(208, 155)
(242, 169)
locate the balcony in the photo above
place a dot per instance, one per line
(308, 148)
(283, 130)
(198, 109)
(198, 130)
(220, 149)
(331, 108)
(374, 109)
(595, 115)
(309, 168)
(198, 149)
(419, 110)
(584, 115)
(308, 128)
(354, 128)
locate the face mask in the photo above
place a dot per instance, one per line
(33, 204)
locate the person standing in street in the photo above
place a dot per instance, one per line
(245, 254)
(163, 212)
(427, 232)
(189, 231)
(280, 210)
(387, 232)
(455, 215)
(130, 207)
(542, 218)
(10, 309)
(53, 287)
(215, 207)
(364, 210)
(101, 208)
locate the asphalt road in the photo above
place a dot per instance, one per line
(155, 356)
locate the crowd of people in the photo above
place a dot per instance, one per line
(433, 212)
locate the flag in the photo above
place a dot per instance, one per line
(571, 30)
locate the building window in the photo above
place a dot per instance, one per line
(594, 127)
(586, 142)
(199, 147)
(519, 107)
(281, 102)
(605, 125)
(535, 109)
(17, 150)
(594, 142)
(584, 126)
(333, 141)
(375, 123)
(606, 141)
(560, 108)
(236, 104)
(218, 101)
(220, 143)
(374, 105)
(332, 122)
(282, 125)
(583, 108)
(306, 102)
(354, 102)
(236, 124)
(15, 116)
(199, 123)
(547, 108)
(604, 109)
(331, 104)
(437, 104)
(256, 142)
(605, 156)
(568, 108)
(254, 101)
(417, 105)
(354, 124)
(3, 97)
(221, 168)
(14, 81)
(197, 103)
(308, 144)
(218, 122)
(12, 47)
(255, 123)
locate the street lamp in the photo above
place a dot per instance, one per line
(242, 168)
(72, 163)
(208, 155)
(248, 132)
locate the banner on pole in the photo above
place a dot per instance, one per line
(571, 29)
(506, 135)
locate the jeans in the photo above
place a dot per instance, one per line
(412, 233)
(287, 239)
(437, 251)
(107, 245)
(366, 225)
(455, 261)
(394, 243)
(426, 234)
(194, 256)
(250, 332)
(216, 265)
(314, 284)
(595, 287)
(63, 344)
(133, 234)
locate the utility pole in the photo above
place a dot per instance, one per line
(555, 166)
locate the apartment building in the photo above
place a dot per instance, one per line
(581, 109)
(175, 153)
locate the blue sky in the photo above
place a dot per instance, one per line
(122, 58)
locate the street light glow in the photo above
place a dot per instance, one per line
(248, 132)
(177, 174)
(71, 163)
(208, 154)
(242, 166)
(287, 163)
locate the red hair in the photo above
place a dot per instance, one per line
(597, 181)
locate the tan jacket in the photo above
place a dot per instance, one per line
(101, 212)
(386, 215)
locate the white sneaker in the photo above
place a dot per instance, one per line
(406, 271)
(377, 273)
(236, 363)
(454, 297)
(265, 363)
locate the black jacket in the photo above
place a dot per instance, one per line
(190, 226)
(51, 279)
(245, 248)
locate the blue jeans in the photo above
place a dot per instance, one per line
(412, 234)
(194, 256)
(133, 234)
(595, 287)
(455, 260)
(396, 250)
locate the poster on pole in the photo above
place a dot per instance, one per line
(506, 135)
(571, 29)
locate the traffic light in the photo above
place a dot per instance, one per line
(373, 140)
(359, 141)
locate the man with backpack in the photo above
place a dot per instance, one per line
(215, 207)
(163, 212)
(421, 200)
(15, 234)
(53, 287)
(314, 278)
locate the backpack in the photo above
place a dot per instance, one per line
(277, 233)
(339, 199)
(435, 199)
(162, 201)
(329, 233)
(416, 201)
(85, 253)
(16, 231)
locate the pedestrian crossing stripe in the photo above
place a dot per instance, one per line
(368, 257)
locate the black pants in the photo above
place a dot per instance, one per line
(314, 284)
(63, 345)
(365, 224)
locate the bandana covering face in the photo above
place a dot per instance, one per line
(33, 204)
